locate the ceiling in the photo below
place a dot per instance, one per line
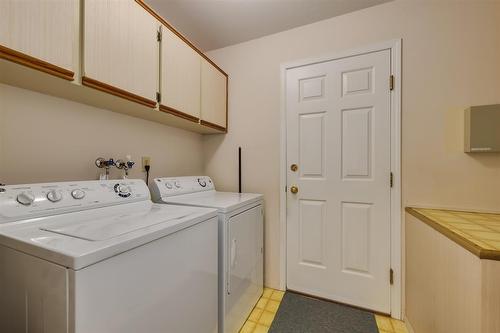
(212, 24)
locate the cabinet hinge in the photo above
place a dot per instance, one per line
(158, 35)
(391, 276)
(391, 82)
(158, 97)
(391, 179)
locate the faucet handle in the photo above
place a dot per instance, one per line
(103, 163)
(120, 164)
(99, 162)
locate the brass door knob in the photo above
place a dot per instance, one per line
(294, 189)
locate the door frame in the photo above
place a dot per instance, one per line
(396, 228)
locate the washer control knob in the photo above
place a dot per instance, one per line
(25, 198)
(123, 189)
(78, 194)
(202, 182)
(168, 185)
(177, 184)
(54, 196)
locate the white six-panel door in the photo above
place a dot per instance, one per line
(338, 223)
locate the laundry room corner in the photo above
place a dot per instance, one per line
(270, 166)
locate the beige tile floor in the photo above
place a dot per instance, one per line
(390, 325)
(262, 315)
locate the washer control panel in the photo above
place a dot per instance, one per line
(33, 200)
(167, 187)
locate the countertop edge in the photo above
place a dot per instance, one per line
(463, 242)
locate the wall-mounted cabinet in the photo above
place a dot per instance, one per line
(40, 34)
(113, 50)
(180, 77)
(213, 97)
(120, 50)
(481, 129)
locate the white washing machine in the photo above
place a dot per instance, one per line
(241, 263)
(100, 257)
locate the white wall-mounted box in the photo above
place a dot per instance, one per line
(482, 129)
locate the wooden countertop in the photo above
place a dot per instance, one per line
(478, 233)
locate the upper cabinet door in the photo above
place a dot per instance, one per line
(40, 34)
(213, 97)
(121, 50)
(180, 77)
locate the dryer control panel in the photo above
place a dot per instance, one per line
(170, 186)
(19, 202)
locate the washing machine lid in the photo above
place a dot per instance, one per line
(105, 228)
(80, 239)
(225, 202)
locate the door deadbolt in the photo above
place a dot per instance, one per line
(294, 167)
(294, 189)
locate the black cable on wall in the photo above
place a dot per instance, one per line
(239, 169)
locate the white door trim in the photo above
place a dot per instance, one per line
(396, 218)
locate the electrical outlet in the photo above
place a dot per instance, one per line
(146, 160)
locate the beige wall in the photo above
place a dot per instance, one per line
(44, 138)
(451, 52)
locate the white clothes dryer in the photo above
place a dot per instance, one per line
(241, 218)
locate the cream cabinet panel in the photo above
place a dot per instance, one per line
(213, 95)
(121, 47)
(180, 75)
(42, 29)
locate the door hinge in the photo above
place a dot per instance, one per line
(158, 97)
(391, 82)
(286, 189)
(158, 35)
(392, 179)
(391, 276)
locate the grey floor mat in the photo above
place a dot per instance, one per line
(301, 314)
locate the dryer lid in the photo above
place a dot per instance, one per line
(224, 201)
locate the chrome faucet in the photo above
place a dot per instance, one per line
(125, 166)
(106, 164)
